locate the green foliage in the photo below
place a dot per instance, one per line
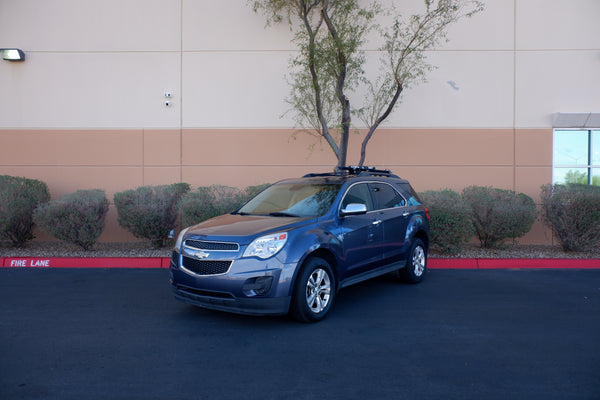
(207, 202)
(210, 201)
(450, 220)
(77, 217)
(150, 212)
(499, 214)
(18, 199)
(329, 67)
(574, 176)
(573, 213)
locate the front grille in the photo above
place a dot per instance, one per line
(206, 267)
(216, 246)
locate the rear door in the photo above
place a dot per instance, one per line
(392, 211)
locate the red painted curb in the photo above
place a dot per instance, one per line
(433, 263)
(513, 263)
(533, 263)
(97, 262)
(451, 263)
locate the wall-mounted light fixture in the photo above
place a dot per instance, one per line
(12, 54)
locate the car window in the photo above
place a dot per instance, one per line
(386, 196)
(358, 194)
(413, 199)
(293, 199)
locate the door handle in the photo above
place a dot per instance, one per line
(376, 223)
(405, 214)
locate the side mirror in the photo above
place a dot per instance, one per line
(354, 209)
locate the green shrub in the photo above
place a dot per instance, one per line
(573, 213)
(499, 214)
(210, 201)
(197, 206)
(225, 199)
(18, 198)
(450, 220)
(77, 217)
(150, 212)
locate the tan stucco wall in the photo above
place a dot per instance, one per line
(107, 64)
(87, 107)
(121, 159)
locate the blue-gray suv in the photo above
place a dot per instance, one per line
(293, 246)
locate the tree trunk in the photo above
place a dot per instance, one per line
(342, 64)
(345, 134)
(378, 121)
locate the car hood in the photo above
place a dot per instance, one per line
(242, 228)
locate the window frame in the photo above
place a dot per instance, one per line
(374, 202)
(368, 191)
(591, 167)
(377, 199)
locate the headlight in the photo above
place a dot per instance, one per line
(266, 246)
(180, 239)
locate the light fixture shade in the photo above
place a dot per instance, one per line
(12, 54)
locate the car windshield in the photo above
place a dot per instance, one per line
(302, 199)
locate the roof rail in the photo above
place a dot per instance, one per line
(355, 170)
(315, 174)
(367, 171)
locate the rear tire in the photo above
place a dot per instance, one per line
(416, 264)
(314, 291)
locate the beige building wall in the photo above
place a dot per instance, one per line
(87, 107)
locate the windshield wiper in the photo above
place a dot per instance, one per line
(282, 214)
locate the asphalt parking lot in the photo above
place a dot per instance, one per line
(461, 334)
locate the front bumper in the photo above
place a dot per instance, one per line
(222, 302)
(250, 286)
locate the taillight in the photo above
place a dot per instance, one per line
(427, 213)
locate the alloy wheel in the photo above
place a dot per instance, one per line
(318, 290)
(418, 261)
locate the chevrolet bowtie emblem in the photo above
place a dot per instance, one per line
(201, 254)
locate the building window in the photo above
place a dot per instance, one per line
(576, 156)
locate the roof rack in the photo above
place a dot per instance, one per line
(362, 170)
(355, 170)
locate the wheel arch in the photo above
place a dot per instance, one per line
(421, 234)
(418, 228)
(326, 255)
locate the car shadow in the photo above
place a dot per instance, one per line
(367, 297)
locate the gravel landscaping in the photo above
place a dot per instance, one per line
(63, 249)
(519, 251)
(143, 249)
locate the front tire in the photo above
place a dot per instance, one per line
(314, 291)
(416, 264)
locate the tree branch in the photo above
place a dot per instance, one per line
(378, 121)
(342, 63)
(304, 16)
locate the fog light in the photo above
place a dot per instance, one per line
(258, 286)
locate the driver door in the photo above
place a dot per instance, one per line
(362, 234)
